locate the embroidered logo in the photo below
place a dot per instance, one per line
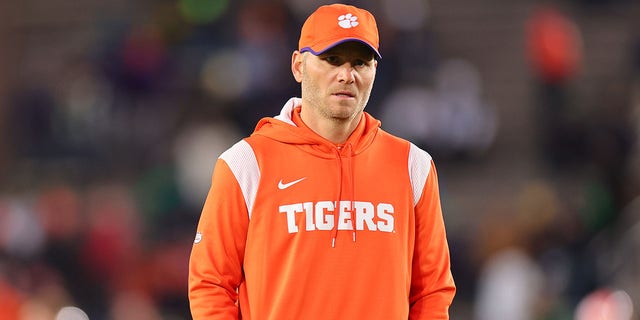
(347, 21)
(198, 238)
(283, 186)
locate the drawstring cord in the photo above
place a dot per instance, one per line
(353, 188)
(336, 205)
(334, 233)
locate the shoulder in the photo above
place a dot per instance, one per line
(415, 153)
(242, 161)
(389, 140)
(241, 150)
(418, 161)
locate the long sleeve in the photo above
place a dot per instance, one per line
(432, 285)
(215, 266)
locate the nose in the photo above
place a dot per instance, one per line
(346, 73)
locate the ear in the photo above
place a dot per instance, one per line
(296, 65)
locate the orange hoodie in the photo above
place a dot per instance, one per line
(295, 227)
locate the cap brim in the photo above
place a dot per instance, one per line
(321, 48)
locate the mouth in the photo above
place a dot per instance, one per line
(344, 94)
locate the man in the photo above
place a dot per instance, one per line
(320, 214)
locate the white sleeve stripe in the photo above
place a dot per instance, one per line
(242, 161)
(419, 167)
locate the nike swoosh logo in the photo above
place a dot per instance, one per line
(283, 186)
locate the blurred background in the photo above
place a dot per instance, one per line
(112, 114)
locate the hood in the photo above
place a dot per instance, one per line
(282, 128)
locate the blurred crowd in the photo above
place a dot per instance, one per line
(110, 136)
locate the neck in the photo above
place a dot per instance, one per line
(335, 130)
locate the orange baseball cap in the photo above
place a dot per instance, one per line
(331, 25)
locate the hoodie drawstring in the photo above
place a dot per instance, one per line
(336, 206)
(353, 188)
(334, 233)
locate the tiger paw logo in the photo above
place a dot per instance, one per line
(347, 21)
(198, 238)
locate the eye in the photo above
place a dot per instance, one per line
(360, 63)
(333, 60)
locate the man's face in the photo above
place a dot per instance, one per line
(336, 84)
